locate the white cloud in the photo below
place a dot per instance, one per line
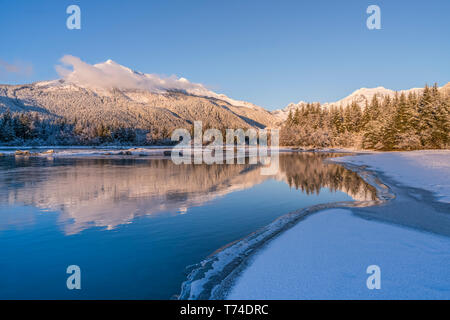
(110, 75)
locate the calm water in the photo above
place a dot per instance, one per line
(135, 225)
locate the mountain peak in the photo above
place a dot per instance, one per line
(111, 75)
(359, 96)
(370, 90)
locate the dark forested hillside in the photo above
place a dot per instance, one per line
(31, 128)
(404, 122)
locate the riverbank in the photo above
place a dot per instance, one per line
(96, 151)
(325, 256)
(426, 169)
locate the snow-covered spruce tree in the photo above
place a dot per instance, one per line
(400, 123)
(372, 131)
(440, 130)
(426, 117)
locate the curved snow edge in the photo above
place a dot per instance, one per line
(212, 278)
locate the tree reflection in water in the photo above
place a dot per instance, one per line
(110, 192)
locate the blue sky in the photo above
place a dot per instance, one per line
(266, 52)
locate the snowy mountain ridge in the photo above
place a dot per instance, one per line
(108, 75)
(109, 92)
(112, 95)
(360, 96)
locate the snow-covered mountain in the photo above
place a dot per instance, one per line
(110, 93)
(282, 114)
(360, 96)
(108, 75)
(363, 95)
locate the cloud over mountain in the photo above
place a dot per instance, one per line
(109, 75)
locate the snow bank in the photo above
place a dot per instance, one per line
(426, 169)
(326, 257)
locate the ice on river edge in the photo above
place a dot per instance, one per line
(425, 169)
(305, 263)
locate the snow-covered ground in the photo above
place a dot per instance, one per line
(429, 170)
(326, 255)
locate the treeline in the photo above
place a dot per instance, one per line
(404, 122)
(35, 129)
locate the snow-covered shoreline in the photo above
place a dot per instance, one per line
(213, 277)
(426, 169)
(322, 252)
(326, 255)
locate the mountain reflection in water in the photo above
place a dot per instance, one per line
(110, 192)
